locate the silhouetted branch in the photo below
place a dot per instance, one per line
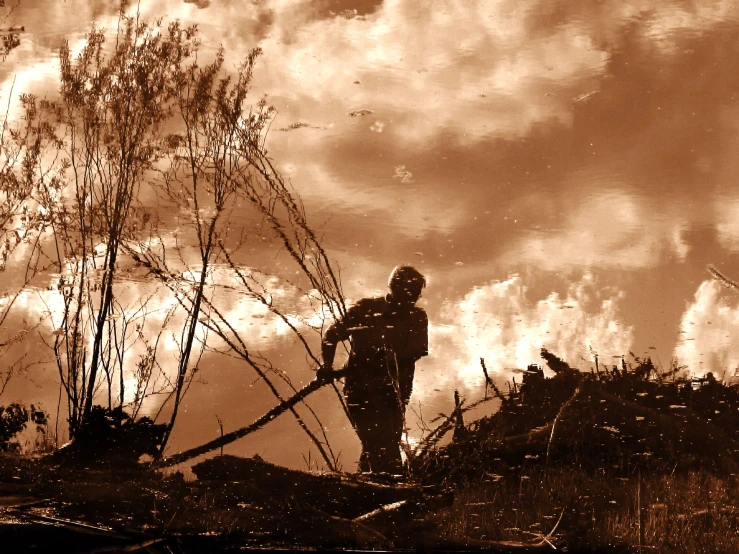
(259, 423)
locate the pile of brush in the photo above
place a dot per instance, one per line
(620, 418)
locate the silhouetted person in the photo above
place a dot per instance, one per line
(388, 334)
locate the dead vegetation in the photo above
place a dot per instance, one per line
(625, 457)
(630, 417)
(613, 460)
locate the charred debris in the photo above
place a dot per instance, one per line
(628, 417)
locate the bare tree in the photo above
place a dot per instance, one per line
(19, 148)
(211, 169)
(198, 177)
(113, 103)
(107, 129)
(24, 184)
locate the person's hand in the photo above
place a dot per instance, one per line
(324, 373)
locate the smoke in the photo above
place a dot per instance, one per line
(727, 222)
(707, 331)
(623, 241)
(503, 324)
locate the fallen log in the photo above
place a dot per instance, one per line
(429, 542)
(341, 495)
(309, 526)
(382, 510)
(228, 438)
(61, 523)
(19, 501)
(402, 522)
(29, 537)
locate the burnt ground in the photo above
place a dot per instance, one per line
(613, 460)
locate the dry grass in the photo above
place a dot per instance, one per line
(693, 512)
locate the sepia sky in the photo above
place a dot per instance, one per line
(563, 171)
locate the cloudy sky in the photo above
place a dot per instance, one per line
(562, 171)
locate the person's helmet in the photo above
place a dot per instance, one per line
(406, 283)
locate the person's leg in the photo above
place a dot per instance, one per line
(363, 426)
(379, 426)
(385, 455)
(364, 465)
(384, 438)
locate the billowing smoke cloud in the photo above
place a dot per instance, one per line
(607, 230)
(501, 80)
(503, 324)
(413, 219)
(708, 340)
(479, 67)
(727, 222)
(149, 308)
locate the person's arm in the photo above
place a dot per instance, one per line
(419, 342)
(420, 336)
(405, 382)
(335, 334)
(331, 338)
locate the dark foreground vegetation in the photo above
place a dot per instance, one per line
(623, 458)
(616, 460)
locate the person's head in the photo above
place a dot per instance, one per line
(406, 284)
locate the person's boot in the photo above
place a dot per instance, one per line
(364, 465)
